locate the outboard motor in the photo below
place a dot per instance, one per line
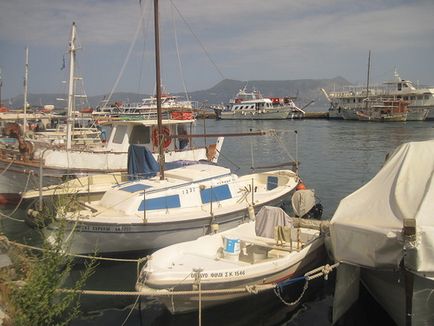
(304, 204)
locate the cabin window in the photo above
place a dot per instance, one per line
(135, 187)
(165, 202)
(426, 97)
(215, 194)
(119, 135)
(420, 97)
(405, 98)
(252, 106)
(412, 98)
(272, 182)
(140, 135)
(399, 86)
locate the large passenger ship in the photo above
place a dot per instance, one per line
(345, 103)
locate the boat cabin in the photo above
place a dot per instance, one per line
(124, 133)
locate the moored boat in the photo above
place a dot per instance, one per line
(147, 109)
(384, 110)
(346, 102)
(153, 213)
(35, 162)
(253, 106)
(384, 233)
(244, 256)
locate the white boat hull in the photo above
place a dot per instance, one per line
(188, 303)
(172, 210)
(271, 114)
(112, 238)
(260, 262)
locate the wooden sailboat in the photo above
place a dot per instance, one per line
(385, 109)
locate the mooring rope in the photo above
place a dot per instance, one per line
(19, 203)
(9, 165)
(311, 275)
(256, 288)
(324, 270)
(140, 260)
(131, 310)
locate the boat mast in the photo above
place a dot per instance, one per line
(367, 80)
(1, 84)
(158, 91)
(72, 50)
(26, 76)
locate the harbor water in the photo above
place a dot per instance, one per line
(336, 158)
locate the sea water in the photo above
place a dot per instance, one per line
(335, 158)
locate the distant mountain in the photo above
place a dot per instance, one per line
(304, 90)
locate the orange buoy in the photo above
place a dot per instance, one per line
(300, 186)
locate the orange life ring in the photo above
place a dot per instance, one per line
(166, 140)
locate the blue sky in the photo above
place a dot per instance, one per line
(244, 40)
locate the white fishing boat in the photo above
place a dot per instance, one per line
(385, 230)
(253, 106)
(35, 162)
(177, 205)
(91, 188)
(152, 213)
(244, 256)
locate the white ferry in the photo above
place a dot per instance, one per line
(347, 102)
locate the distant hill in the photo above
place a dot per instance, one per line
(304, 90)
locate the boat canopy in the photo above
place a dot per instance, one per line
(368, 226)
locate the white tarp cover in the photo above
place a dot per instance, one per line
(366, 228)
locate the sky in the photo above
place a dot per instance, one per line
(205, 41)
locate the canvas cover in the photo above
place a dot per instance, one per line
(302, 201)
(268, 218)
(366, 229)
(141, 162)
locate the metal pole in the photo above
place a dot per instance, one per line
(367, 80)
(88, 188)
(26, 76)
(158, 91)
(253, 192)
(144, 205)
(1, 84)
(40, 183)
(296, 151)
(72, 50)
(41, 178)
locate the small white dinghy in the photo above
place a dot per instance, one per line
(246, 255)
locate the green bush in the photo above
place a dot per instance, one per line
(33, 296)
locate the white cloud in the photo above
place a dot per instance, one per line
(248, 39)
